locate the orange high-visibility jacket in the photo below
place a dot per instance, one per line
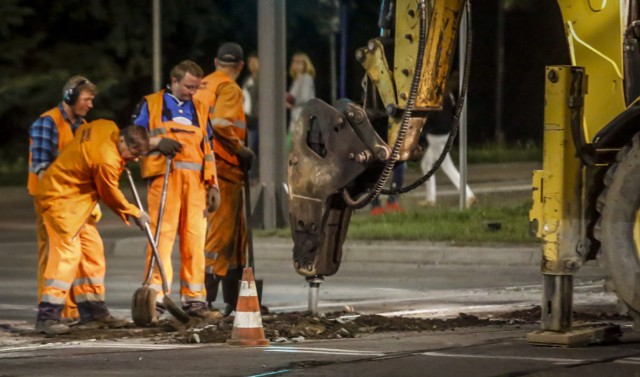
(65, 135)
(196, 153)
(226, 115)
(88, 169)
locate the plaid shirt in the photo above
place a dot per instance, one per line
(44, 135)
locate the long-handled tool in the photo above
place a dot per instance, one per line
(249, 225)
(143, 302)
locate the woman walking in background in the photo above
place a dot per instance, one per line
(438, 127)
(302, 88)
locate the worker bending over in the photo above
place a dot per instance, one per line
(226, 234)
(177, 125)
(87, 170)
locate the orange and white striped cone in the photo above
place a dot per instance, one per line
(247, 324)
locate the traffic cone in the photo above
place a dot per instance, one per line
(247, 324)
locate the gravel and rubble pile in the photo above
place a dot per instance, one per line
(300, 326)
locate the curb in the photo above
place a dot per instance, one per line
(411, 252)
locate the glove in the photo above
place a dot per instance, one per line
(246, 157)
(213, 199)
(169, 147)
(96, 215)
(143, 220)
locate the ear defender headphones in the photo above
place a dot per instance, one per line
(71, 95)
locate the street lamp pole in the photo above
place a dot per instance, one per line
(157, 47)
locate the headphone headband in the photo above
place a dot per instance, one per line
(71, 95)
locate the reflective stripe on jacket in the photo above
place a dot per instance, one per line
(196, 151)
(227, 119)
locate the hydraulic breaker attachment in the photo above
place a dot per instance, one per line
(332, 147)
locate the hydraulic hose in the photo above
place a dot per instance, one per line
(456, 116)
(404, 125)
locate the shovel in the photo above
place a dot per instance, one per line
(144, 298)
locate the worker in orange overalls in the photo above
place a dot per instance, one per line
(88, 169)
(48, 135)
(226, 234)
(178, 126)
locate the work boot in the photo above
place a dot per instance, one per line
(205, 313)
(107, 322)
(200, 310)
(160, 309)
(52, 327)
(70, 321)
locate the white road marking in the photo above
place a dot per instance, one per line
(555, 360)
(323, 351)
(5, 352)
(454, 310)
(629, 360)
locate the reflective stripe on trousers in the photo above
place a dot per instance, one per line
(184, 212)
(80, 259)
(70, 309)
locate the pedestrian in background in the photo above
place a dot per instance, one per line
(178, 126)
(438, 127)
(302, 88)
(226, 242)
(48, 136)
(87, 170)
(251, 106)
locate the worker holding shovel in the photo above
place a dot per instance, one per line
(178, 127)
(87, 170)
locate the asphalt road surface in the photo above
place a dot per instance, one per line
(390, 278)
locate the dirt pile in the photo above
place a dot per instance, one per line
(299, 326)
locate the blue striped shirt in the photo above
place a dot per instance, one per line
(44, 136)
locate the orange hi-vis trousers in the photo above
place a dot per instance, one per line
(70, 309)
(77, 262)
(226, 234)
(184, 214)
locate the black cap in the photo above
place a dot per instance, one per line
(230, 52)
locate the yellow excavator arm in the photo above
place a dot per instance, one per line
(586, 200)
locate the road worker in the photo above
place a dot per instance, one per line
(88, 169)
(48, 135)
(178, 126)
(226, 234)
